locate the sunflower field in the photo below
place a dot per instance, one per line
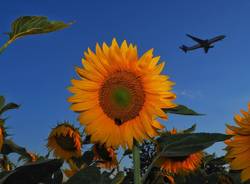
(121, 99)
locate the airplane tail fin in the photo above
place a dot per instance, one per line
(184, 48)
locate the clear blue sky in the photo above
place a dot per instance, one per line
(36, 70)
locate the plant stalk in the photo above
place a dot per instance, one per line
(136, 162)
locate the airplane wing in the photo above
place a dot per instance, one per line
(186, 48)
(195, 38)
(215, 39)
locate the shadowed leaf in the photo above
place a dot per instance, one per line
(191, 129)
(182, 110)
(118, 179)
(89, 175)
(34, 173)
(2, 102)
(10, 147)
(8, 106)
(179, 145)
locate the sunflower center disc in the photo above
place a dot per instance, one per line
(66, 142)
(121, 96)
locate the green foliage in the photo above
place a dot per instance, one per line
(190, 130)
(10, 147)
(6, 107)
(179, 145)
(119, 178)
(89, 175)
(182, 110)
(34, 173)
(30, 25)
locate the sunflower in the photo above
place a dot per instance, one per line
(106, 156)
(3, 133)
(1, 137)
(181, 165)
(238, 148)
(65, 141)
(119, 95)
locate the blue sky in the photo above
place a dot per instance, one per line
(36, 70)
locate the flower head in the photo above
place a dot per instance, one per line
(65, 141)
(106, 156)
(181, 165)
(238, 148)
(119, 95)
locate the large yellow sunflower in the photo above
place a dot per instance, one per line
(238, 148)
(106, 156)
(65, 141)
(181, 165)
(119, 95)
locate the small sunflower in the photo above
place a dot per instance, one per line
(181, 165)
(119, 95)
(65, 141)
(3, 133)
(238, 148)
(106, 156)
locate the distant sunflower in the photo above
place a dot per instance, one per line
(238, 148)
(181, 165)
(65, 141)
(106, 156)
(119, 95)
(3, 134)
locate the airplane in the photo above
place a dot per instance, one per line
(205, 44)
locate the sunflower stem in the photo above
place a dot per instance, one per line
(136, 162)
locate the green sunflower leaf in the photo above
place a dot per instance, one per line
(2, 101)
(89, 175)
(182, 110)
(10, 147)
(181, 145)
(191, 129)
(47, 171)
(8, 106)
(30, 25)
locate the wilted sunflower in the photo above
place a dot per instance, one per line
(119, 95)
(3, 133)
(238, 148)
(106, 156)
(181, 165)
(65, 141)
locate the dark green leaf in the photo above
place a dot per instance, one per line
(33, 173)
(90, 175)
(9, 106)
(10, 147)
(180, 145)
(127, 152)
(190, 130)
(118, 179)
(2, 102)
(182, 110)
